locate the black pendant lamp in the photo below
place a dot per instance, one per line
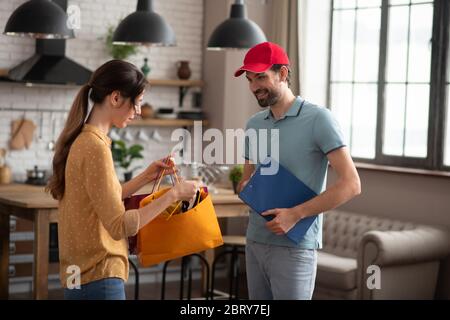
(144, 27)
(237, 32)
(41, 19)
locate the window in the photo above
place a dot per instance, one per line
(354, 76)
(447, 122)
(384, 84)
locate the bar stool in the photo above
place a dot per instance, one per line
(136, 279)
(236, 247)
(185, 272)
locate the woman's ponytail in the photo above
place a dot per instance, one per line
(72, 129)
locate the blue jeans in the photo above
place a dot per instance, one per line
(104, 289)
(280, 273)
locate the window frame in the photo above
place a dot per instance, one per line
(438, 91)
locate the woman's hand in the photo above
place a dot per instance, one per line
(153, 170)
(185, 190)
(148, 175)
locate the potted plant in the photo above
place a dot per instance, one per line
(236, 176)
(118, 51)
(124, 156)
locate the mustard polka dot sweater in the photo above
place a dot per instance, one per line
(93, 225)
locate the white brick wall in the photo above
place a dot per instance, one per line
(88, 49)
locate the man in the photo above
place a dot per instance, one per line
(309, 138)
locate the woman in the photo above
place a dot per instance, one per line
(93, 224)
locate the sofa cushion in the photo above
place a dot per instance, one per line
(343, 231)
(335, 272)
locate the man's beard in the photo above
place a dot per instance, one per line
(271, 98)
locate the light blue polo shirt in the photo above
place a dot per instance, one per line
(307, 133)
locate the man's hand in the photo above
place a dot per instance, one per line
(242, 185)
(283, 221)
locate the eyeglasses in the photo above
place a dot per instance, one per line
(137, 109)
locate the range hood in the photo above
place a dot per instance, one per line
(49, 64)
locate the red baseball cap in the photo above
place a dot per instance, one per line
(262, 57)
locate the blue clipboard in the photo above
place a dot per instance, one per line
(280, 190)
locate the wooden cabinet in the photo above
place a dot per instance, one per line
(21, 250)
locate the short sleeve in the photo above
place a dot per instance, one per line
(326, 132)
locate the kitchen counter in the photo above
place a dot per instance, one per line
(29, 196)
(32, 203)
(26, 196)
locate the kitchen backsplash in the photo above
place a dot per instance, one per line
(88, 49)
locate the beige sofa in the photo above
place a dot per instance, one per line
(408, 256)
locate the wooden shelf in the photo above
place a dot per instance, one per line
(183, 86)
(154, 122)
(153, 82)
(176, 83)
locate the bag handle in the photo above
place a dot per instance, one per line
(158, 180)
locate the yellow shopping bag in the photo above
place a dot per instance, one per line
(175, 234)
